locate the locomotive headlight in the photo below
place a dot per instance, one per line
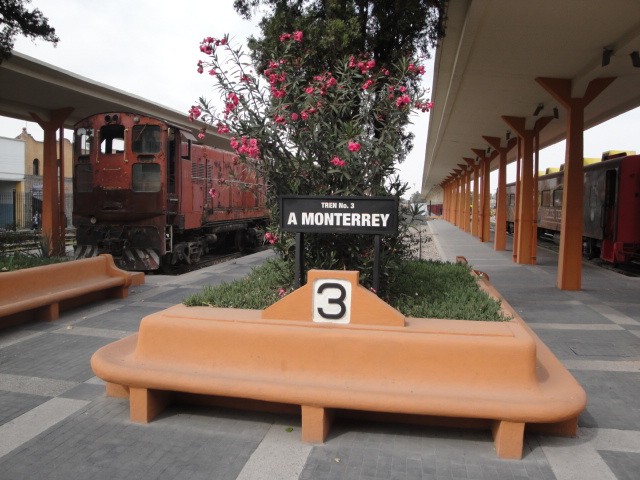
(93, 220)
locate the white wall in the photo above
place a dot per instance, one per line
(11, 159)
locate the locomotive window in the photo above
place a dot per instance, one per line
(146, 139)
(145, 177)
(112, 139)
(557, 197)
(84, 178)
(84, 138)
(546, 198)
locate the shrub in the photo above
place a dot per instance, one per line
(310, 132)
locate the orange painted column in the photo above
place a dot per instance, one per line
(516, 203)
(570, 258)
(463, 186)
(500, 233)
(467, 198)
(485, 224)
(458, 199)
(52, 229)
(476, 194)
(524, 253)
(445, 201)
(464, 210)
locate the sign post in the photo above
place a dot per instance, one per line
(334, 214)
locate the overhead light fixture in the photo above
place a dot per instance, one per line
(635, 59)
(556, 113)
(606, 56)
(538, 109)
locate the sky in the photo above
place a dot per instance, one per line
(150, 48)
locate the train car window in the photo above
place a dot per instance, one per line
(146, 139)
(84, 139)
(145, 177)
(84, 178)
(546, 198)
(557, 197)
(111, 139)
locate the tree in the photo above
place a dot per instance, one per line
(387, 29)
(16, 19)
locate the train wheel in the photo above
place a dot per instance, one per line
(246, 240)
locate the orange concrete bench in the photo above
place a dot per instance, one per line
(42, 292)
(498, 372)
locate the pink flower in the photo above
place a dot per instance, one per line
(354, 146)
(279, 119)
(234, 143)
(282, 292)
(222, 128)
(337, 162)
(213, 193)
(294, 117)
(194, 112)
(284, 37)
(304, 114)
(201, 135)
(402, 101)
(212, 71)
(200, 67)
(367, 84)
(308, 90)
(270, 238)
(297, 36)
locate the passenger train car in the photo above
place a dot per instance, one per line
(611, 214)
(148, 193)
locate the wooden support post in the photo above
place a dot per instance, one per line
(523, 252)
(570, 257)
(52, 230)
(500, 233)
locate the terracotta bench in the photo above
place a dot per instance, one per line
(495, 375)
(42, 292)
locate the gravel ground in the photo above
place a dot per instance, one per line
(425, 244)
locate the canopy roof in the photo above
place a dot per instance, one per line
(493, 51)
(29, 85)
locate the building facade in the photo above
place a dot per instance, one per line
(21, 180)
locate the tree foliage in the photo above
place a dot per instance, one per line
(386, 29)
(17, 19)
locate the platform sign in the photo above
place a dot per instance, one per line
(335, 214)
(331, 301)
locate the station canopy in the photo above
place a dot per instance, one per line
(32, 86)
(486, 66)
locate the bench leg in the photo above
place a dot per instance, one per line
(48, 312)
(316, 422)
(508, 438)
(117, 391)
(146, 404)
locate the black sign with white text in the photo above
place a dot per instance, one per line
(314, 214)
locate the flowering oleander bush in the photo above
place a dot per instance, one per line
(330, 132)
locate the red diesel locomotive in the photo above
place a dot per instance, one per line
(149, 194)
(611, 219)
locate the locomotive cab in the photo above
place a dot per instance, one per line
(144, 192)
